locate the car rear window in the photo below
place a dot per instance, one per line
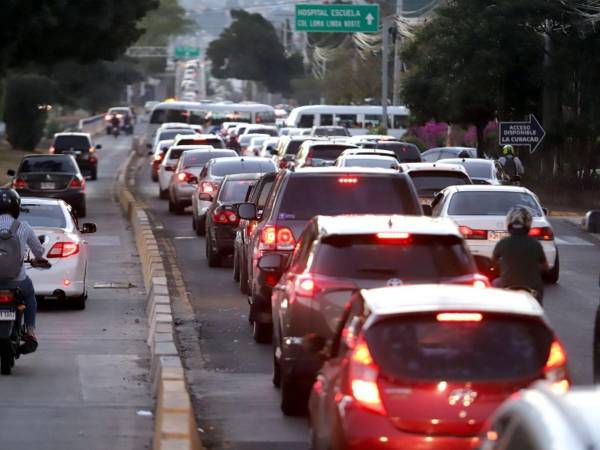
(381, 162)
(495, 348)
(478, 170)
(215, 142)
(223, 168)
(161, 115)
(170, 134)
(490, 203)
(43, 216)
(235, 191)
(419, 258)
(308, 196)
(50, 164)
(404, 152)
(198, 159)
(430, 182)
(327, 152)
(62, 143)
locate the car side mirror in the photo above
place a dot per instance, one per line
(11, 173)
(247, 211)
(270, 262)
(314, 343)
(88, 228)
(98, 147)
(427, 210)
(546, 211)
(205, 196)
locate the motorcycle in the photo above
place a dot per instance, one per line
(115, 131)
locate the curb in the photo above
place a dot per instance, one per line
(175, 425)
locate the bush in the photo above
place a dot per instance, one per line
(24, 109)
(414, 140)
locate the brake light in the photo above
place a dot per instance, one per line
(77, 184)
(63, 250)
(158, 157)
(6, 297)
(51, 150)
(470, 233)
(185, 176)
(542, 233)
(400, 238)
(347, 180)
(555, 370)
(251, 227)
(221, 216)
(277, 238)
(557, 356)
(459, 317)
(19, 183)
(363, 374)
(305, 286)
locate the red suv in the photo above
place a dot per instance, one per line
(423, 367)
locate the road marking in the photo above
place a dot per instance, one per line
(184, 237)
(572, 240)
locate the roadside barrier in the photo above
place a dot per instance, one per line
(92, 125)
(174, 421)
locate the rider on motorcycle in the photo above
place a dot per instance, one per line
(115, 122)
(520, 256)
(10, 208)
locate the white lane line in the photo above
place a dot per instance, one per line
(572, 240)
(184, 237)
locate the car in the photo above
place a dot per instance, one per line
(200, 139)
(65, 248)
(287, 148)
(431, 178)
(316, 153)
(384, 162)
(482, 171)
(424, 366)
(245, 140)
(222, 219)
(168, 164)
(82, 147)
(403, 151)
(149, 105)
(212, 175)
(541, 418)
(258, 195)
(158, 156)
(121, 112)
(51, 176)
(302, 194)
(234, 133)
(329, 131)
(256, 145)
(289, 131)
(337, 255)
(261, 129)
(368, 152)
(437, 153)
(184, 181)
(269, 147)
(166, 133)
(480, 211)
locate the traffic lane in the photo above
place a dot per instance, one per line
(87, 381)
(231, 375)
(571, 304)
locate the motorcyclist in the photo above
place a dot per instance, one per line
(10, 208)
(521, 257)
(115, 122)
(510, 162)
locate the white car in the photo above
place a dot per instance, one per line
(431, 178)
(66, 249)
(480, 212)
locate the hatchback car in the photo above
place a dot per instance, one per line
(51, 176)
(81, 146)
(337, 255)
(164, 133)
(431, 178)
(482, 171)
(200, 140)
(158, 156)
(212, 175)
(245, 141)
(480, 211)
(299, 196)
(167, 167)
(286, 150)
(319, 153)
(437, 153)
(65, 248)
(384, 162)
(423, 367)
(184, 181)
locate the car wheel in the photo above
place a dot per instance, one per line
(244, 278)
(294, 396)
(78, 303)
(193, 221)
(213, 258)
(178, 208)
(81, 210)
(236, 267)
(262, 332)
(276, 371)
(94, 174)
(154, 177)
(171, 206)
(551, 277)
(163, 194)
(201, 226)
(7, 358)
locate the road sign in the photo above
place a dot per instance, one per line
(147, 52)
(337, 18)
(528, 134)
(186, 51)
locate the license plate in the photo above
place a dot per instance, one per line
(8, 315)
(497, 235)
(47, 185)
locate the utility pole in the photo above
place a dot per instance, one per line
(397, 61)
(387, 23)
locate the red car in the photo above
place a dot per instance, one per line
(423, 367)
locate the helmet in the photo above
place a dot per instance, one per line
(508, 149)
(10, 202)
(519, 219)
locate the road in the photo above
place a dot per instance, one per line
(231, 375)
(87, 385)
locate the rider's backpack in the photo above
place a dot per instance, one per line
(510, 167)
(11, 257)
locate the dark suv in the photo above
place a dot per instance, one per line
(299, 196)
(79, 145)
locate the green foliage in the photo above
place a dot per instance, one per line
(250, 50)
(414, 140)
(165, 21)
(24, 114)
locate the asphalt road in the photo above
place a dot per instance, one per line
(87, 385)
(236, 403)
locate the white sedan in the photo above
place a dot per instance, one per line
(66, 249)
(480, 212)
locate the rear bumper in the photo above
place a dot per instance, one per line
(183, 193)
(67, 276)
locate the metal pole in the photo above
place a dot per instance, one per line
(385, 38)
(397, 61)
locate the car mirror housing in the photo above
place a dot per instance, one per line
(88, 228)
(11, 173)
(247, 211)
(98, 147)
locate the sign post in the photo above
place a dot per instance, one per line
(337, 18)
(530, 134)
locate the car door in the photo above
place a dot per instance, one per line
(431, 156)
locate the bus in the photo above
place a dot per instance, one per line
(357, 119)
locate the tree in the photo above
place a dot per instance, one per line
(165, 21)
(250, 50)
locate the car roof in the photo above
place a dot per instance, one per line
(487, 188)
(200, 136)
(332, 170)
(367, 152)
(371, 224)
(229, 159)
(243, 176)
(195, 147)
(434, 166)
(439, 297)
(72, 133)
(41, 201)
(376, 157)
(47, 155)
(453, 148)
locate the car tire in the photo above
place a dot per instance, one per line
(244, 278)
(171, 206)
(163, 194)
(201, 226)
(78, 303)
(236, 267)
(154, 177)
(94, 173)
(294, 396)
(193, 221)
(214, 260)
(82, 210)
(262, 332)
(551, 277)
(178, 208)
(7, 358)
(276, 371)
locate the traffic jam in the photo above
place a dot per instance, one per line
(373, 270)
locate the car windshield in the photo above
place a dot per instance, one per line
(492, 203)
(381, 162)
(293, 146)
(63, 164)
(246, 138)
(170, 134)
(43, 216)
(234, 191)
(495, 348)
(200, 158)
(430, 182)
(81, 143)
(308, 196)
(222, 168)
(420, 258)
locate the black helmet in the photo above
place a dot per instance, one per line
(10, 202)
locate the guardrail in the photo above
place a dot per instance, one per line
(92, 125)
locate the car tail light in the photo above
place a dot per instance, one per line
(277, 238)
(222, 216)
(395, 237)
(208, 187)
(76, 183)
(306, 286)
(63, 250)
(6, 297)
(347, 180)
(555, 370)
(363, 374)
(459, 317)
(19, 183)
(185, 176)
(470, 233)
(475, 279)
(251, 227)
(542, 233)
(93, 159)
(52, 150)
(309, 157)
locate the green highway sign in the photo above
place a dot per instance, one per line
(337, 18)
(186, 51)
